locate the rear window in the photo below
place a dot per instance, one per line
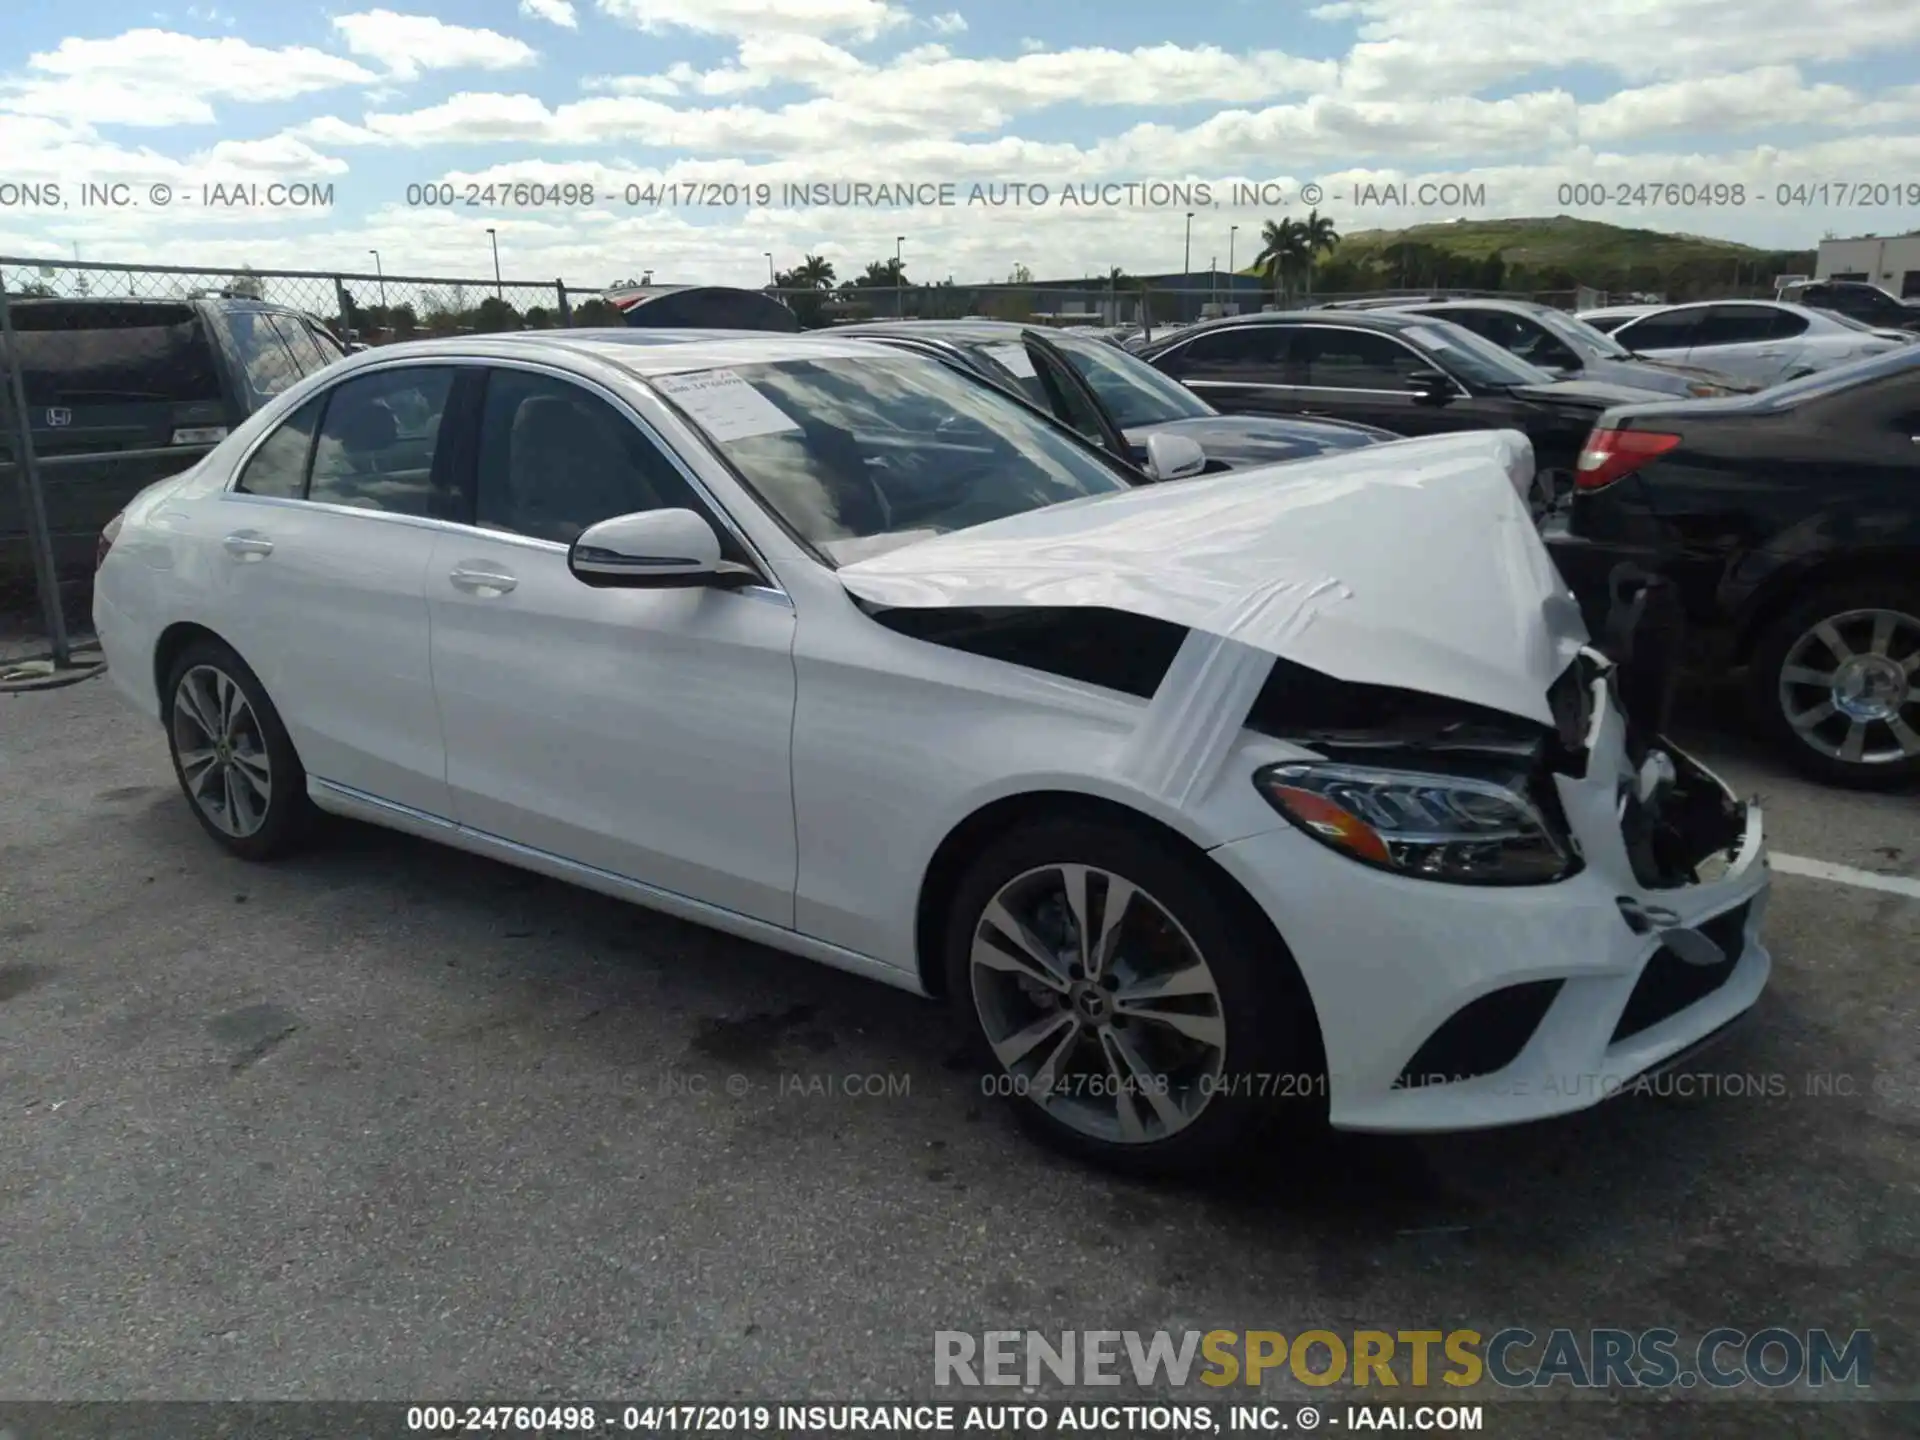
(80, 354)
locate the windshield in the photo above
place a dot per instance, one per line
(1841, 377)
(858, 456)
(1135, 392)
(1473, 358)
(1582, 336)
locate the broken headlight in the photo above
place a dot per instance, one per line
(1463, 829)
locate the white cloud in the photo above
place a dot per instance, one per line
(862, 19)
(1456, 46)
(1772, 95)
(555, 12)
(951, 23)
(410, 44)
(160, 77)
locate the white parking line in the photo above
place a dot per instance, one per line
(1845, 875)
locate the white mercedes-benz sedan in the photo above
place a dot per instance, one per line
(1295, 788)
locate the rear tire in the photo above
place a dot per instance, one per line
(232, 755)
(1159, 1038)
(1848, 719)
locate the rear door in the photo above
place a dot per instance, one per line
(1241, 369)
(321, 554)
(1761, 343)
(1663, 335)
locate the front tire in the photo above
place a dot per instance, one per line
(1837, 683)
(232, 755)
(1128, 1001)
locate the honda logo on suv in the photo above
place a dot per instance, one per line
(57, 417)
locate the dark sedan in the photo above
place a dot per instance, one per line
(1112, 398)
(1409, 374)
(1788, 524)
(1554, 340)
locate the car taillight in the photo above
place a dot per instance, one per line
(108, 534)
(1611, 454)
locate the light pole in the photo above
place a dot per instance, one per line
(383, 277)
(496, 264)
(1233, 276)
(772, 283)
(1186, 262)
(899, 279)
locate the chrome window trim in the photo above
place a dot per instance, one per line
(557, 372)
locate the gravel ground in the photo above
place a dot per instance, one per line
(388, 1121)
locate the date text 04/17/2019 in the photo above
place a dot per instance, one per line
(1737, 194)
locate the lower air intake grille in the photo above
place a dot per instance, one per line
(1669, 984)
(1481, 1037)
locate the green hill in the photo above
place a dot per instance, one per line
(1556, 252)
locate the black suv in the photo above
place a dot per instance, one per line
(121, 393)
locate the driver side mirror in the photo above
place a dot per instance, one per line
(1430, 387)
(1174, 457)
(654, 550)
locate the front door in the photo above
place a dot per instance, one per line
(646, 733)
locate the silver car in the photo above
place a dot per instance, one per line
(1764, 341)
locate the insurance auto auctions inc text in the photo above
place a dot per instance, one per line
(1770, 1358)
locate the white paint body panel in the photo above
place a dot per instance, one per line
(779, 764)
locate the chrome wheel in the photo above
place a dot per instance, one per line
(222, 752)
(1848, 687)
(1098, 1003)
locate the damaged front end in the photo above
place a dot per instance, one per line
(1440, 789)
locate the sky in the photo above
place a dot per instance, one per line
(633, 129)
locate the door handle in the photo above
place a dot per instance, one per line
(248, 545)
(479, 581)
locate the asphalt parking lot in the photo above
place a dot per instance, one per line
(387, 1121)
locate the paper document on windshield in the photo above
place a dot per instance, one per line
(724, 405)
(1014, 358)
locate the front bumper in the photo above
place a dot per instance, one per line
(1389, 960)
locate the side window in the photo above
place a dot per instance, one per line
(555, 459)
(1671, 330)
(1786, 325)
(1736, 325)
(1355, 360)
(378, 438)
(1252, 350)
(279, 467)
(264, 357)
(307, 356)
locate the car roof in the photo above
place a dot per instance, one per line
(1469, 302)
(634, 352)
(957, 332)
(1351, 319)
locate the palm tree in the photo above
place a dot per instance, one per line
(1317, 234)
(815, 272)
(1282, 247)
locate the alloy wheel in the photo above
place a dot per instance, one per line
(221, 750)
(1098, 1004)
(1850, 687)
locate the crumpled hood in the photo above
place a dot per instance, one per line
(1414, 564)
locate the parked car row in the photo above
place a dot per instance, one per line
(839, 644)
(1786, 519)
